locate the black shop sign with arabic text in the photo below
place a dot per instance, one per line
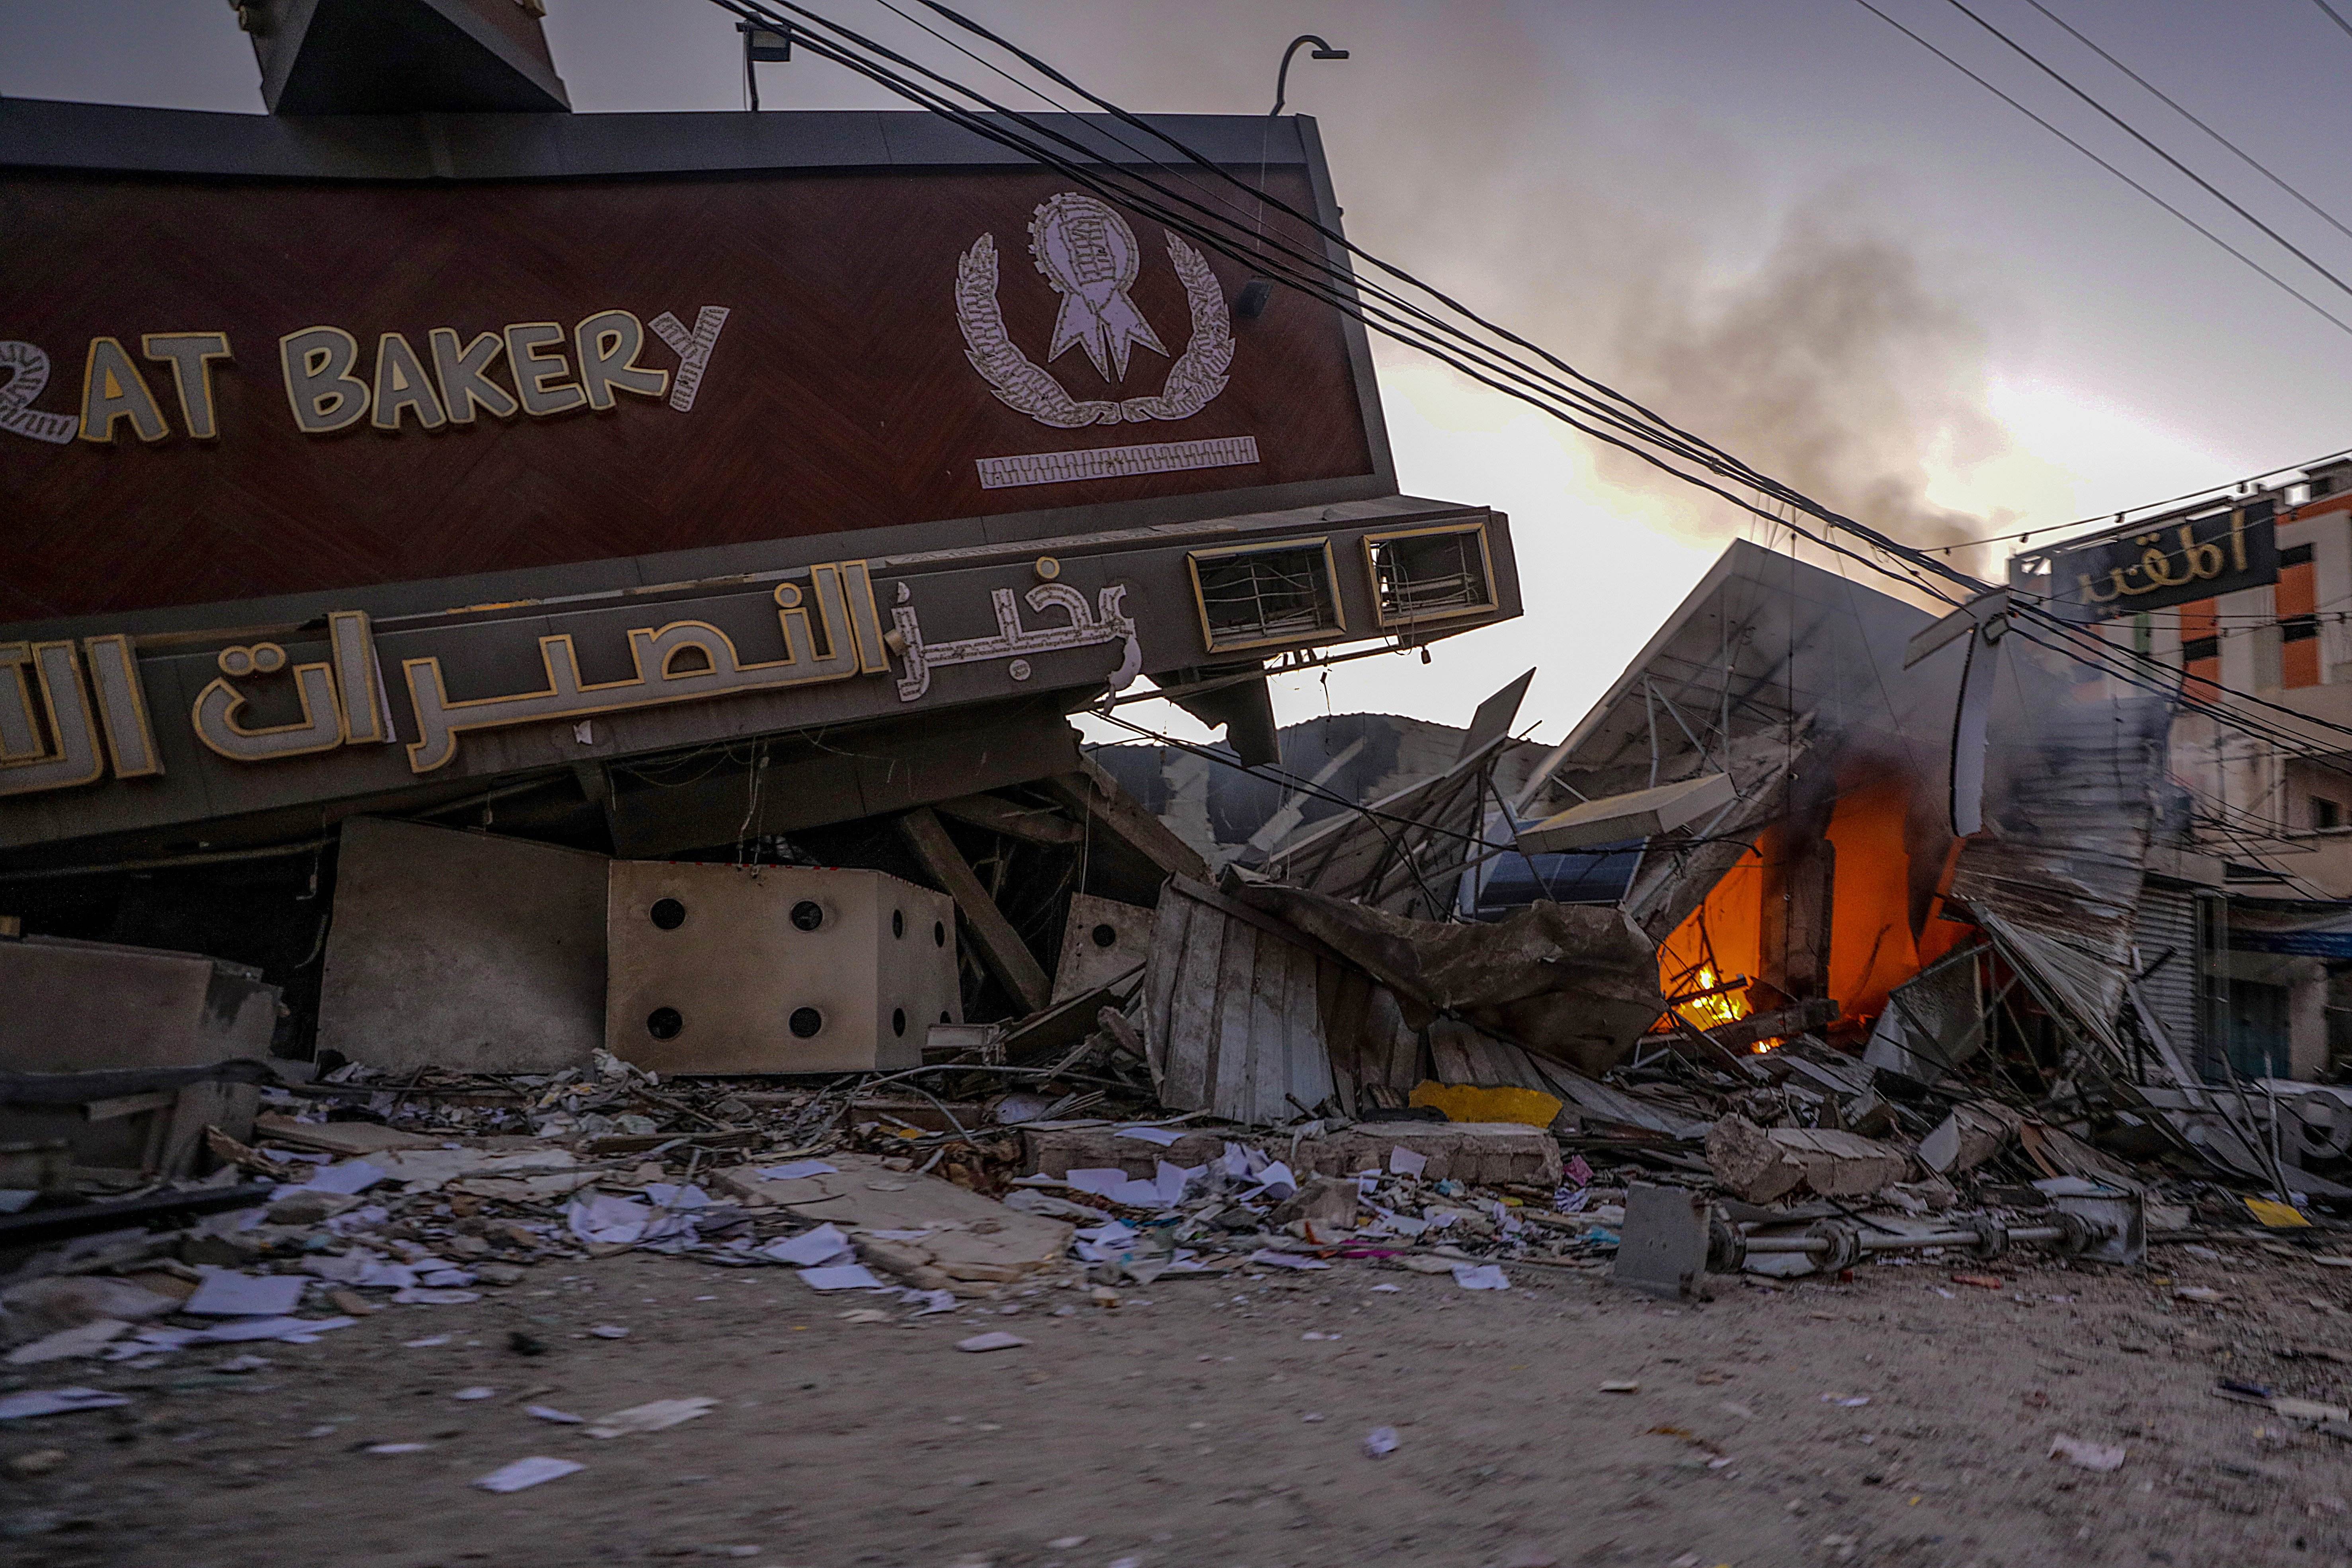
(2173, 563)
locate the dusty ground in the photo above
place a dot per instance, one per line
(1186, 1431)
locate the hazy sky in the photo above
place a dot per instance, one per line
(1784, 224)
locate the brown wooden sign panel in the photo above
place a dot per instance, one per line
(222, 389)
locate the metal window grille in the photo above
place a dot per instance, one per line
(1267, 595)
(1430, 574)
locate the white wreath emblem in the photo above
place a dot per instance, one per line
(29, 368)
(1086, 250)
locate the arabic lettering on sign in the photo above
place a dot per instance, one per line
(663, 672)
(67, 709)
(342, 697)
(2174, 563)
(1106, 622)
(81, 737)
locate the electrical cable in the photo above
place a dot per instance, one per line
(1689, 446)
(1514, 378)
(1103, 183)
(2163, 98)
(1346, 303)
(2282, 283)
(2115, 519)
(2137, 135)
(2333, 15)
(1532, 386)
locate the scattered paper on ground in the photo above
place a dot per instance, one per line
(2085, 1455)
(87, 1340)
(56, 1401)
(658, 1416)
(528, 1472)
(842, 1277)
(226, 1294)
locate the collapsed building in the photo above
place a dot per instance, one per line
(655, 741)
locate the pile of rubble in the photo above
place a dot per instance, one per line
(357, 1195)
(1307, 1065)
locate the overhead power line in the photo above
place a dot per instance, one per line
(2333, 15)
(2277, 281)
(2086, 647)
(1552, 385)
(2109, 520)
(2161, 97)
(2137, 135)
(1561, 391)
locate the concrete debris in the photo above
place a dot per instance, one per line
(1969, 1136)
(2085, 1455)
(1760, 1164)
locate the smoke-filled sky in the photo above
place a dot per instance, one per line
(1784, 225)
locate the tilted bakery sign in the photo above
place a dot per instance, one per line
(332, 385)
(341, 385)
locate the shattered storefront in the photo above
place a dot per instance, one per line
(1780, 767)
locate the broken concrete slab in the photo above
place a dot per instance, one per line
(1056, 1150)
(427, 1169)
(468, 951)
(932, 1233)
(1664, 1252)
(1484, 1153)
(1760, 1164)
(1969, 1136)
(80, 1006)
(1325, 1200)
(1103, 941)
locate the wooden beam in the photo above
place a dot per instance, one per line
(1036, 824)
(1094, 794)
(1001, 947)
(123, 1105)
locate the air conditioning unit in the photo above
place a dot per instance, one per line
(774, 969)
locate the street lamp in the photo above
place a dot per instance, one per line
(1255, 294)
(1323, 51)
(761, 44)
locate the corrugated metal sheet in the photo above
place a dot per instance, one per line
(2057, 883)
(2167, 918)
(1233, 1022)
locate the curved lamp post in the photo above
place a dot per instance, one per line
(1323, 51)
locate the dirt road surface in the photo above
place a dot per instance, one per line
(1214, 1427)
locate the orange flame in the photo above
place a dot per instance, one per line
(1723, 1007)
